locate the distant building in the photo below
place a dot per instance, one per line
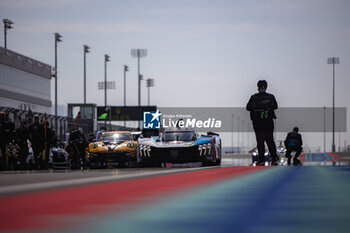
(24, 82)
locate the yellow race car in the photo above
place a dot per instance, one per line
(114, 148)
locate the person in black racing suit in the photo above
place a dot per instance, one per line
(292, 143)
(261, 106)
(76, 148)
(37, 138)
(4, 128)
(22, 137)
(7, 132)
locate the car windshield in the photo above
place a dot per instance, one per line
(111, 137)
(178, 136)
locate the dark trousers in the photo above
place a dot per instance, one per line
(264, 133)
(37, 151)
(3, 155)
(23, 154)
(291, 149)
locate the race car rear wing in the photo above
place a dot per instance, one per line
(210, 134)
(136, 135)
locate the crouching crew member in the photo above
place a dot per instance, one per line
(293, 142)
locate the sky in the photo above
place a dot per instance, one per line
(201, 53)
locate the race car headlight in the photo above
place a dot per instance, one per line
(149, 151)
(130, 145)
(281, 151)
(200, 150)
(140, 150)
(145, 150)
(204, 149)
(208, 148)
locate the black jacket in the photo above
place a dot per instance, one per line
(36, 133)
(293, 139)
(7, 131)
(261, 106)
(22, 134)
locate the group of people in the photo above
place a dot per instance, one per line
(28, 146)
(14, 143)
(262, 106)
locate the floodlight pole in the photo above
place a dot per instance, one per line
(333, 61)
(243, 133)
(232, 132)
(105, 86)
(106, 60)
(139, 76)
(238, 121)
(149, 83)
(7, 25)
(248, 136)
(139, 53)
(126, 69)
(148, 95)
(333, 131)
(57, 39)
(86, 50)
(324, 129)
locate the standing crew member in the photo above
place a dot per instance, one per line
(261, 106)
(6, 136)
(76, 148)
(293, 142)
(50, 137)
(37, 138)
(22, 135)
(100, 132)
(3, 140)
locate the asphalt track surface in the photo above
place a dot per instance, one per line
(230, 198)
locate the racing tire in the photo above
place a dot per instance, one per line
(132, 164)
(149, 164)
(218, 162)
(208, 163)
